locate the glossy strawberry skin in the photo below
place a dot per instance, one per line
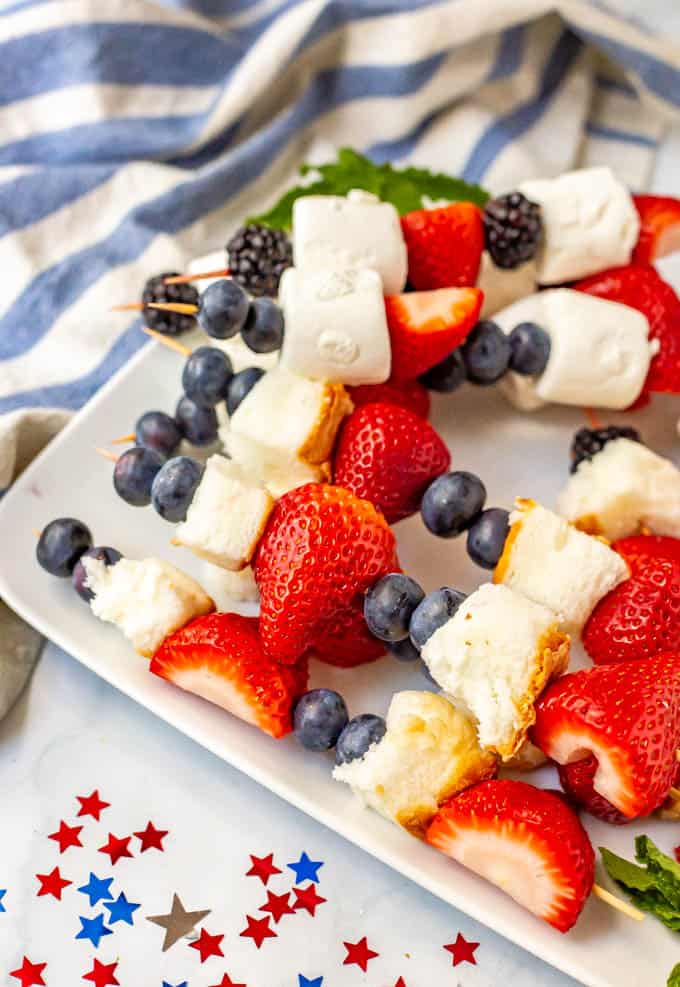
(227, 647)
(577, 781)
(642, 288)
(409, 394)
(529, 820)
(659, 227)
(321, 550)
(389, 456)
(641, 616)
(444, 245)
(425, 326)
(627, 714)
(347, 642)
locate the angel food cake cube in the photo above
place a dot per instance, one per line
(336, 326)
(146, 599)
(226, 517)
(551, 562)
(624, 487)
(429, 753)
(494, 657)
(590, 223)
(335, 232)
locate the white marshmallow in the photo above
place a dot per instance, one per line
(503, 286)
(589, 221)
(333, 232)
(429, 753)
(494, 657)
(226, 517)
(552, 563)
(599, 351)
(622, 488)
(146, 599)
(336, 327)
(227, 588)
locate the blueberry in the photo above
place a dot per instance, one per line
(529, 349)
(61, 544)
(432, 612)
(175, 486)
(359, 734)
(446, 375)
(451, 502)
(240, 384)
(319, 718)
(105, 554)
(486, 353)
(404, 650)
(206, 375)
(388, 606)
(222, 309)
(486, 537)
(158, 431)
(263, 331)
(197, 424)
(134, 473)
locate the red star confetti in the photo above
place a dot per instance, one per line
(52, 883)
(462, 951)
(359, 953)
(151, 838)
(207, 945)
(102, 974)
(258, 930)
(92, 805)
(66, 836)
(30, 974)
(116, 847)
(677, 853)
(226, 981)
(400, 982)
(277, 905)
(263, 867)
(307, 898)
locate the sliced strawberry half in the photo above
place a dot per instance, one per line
(659, 227)
(627, 716)
(526, 841)
(577, 781)
(425, 326)
(220, 658)
(444, 245)
(409, 394)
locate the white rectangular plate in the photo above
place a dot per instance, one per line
(514, 454)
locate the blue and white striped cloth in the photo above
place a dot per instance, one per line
(135, 135)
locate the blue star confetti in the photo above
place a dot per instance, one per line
(183, 984)
(97, 889)
(306, 869)
(3, 892)
(304, 982)
(121, 910)
(93, 929)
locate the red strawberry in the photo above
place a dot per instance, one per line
(389, 456)
(426, 325)
(577, 781)
(642, 288)
(627, 716)
(526, 841)
(406, 393)
(641, 616)
(659, 227)
(444, 245)
(220, 658)
(321, 550)
(347, 642)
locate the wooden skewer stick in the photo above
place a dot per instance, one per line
(182, 308)
(674, 793)
(221, 272)
(622, 906)
(168, 341)
(128, 307)
(677, 755)
(107, 454)
(593, 420)
(123, 438)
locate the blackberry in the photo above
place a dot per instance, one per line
(589, 441)
(169, 323)
(513, 229)
(258, 256)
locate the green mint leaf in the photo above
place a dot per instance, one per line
(403, 187)
(665, 870)
(674, 977)
(654, 888)
(632, 877)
